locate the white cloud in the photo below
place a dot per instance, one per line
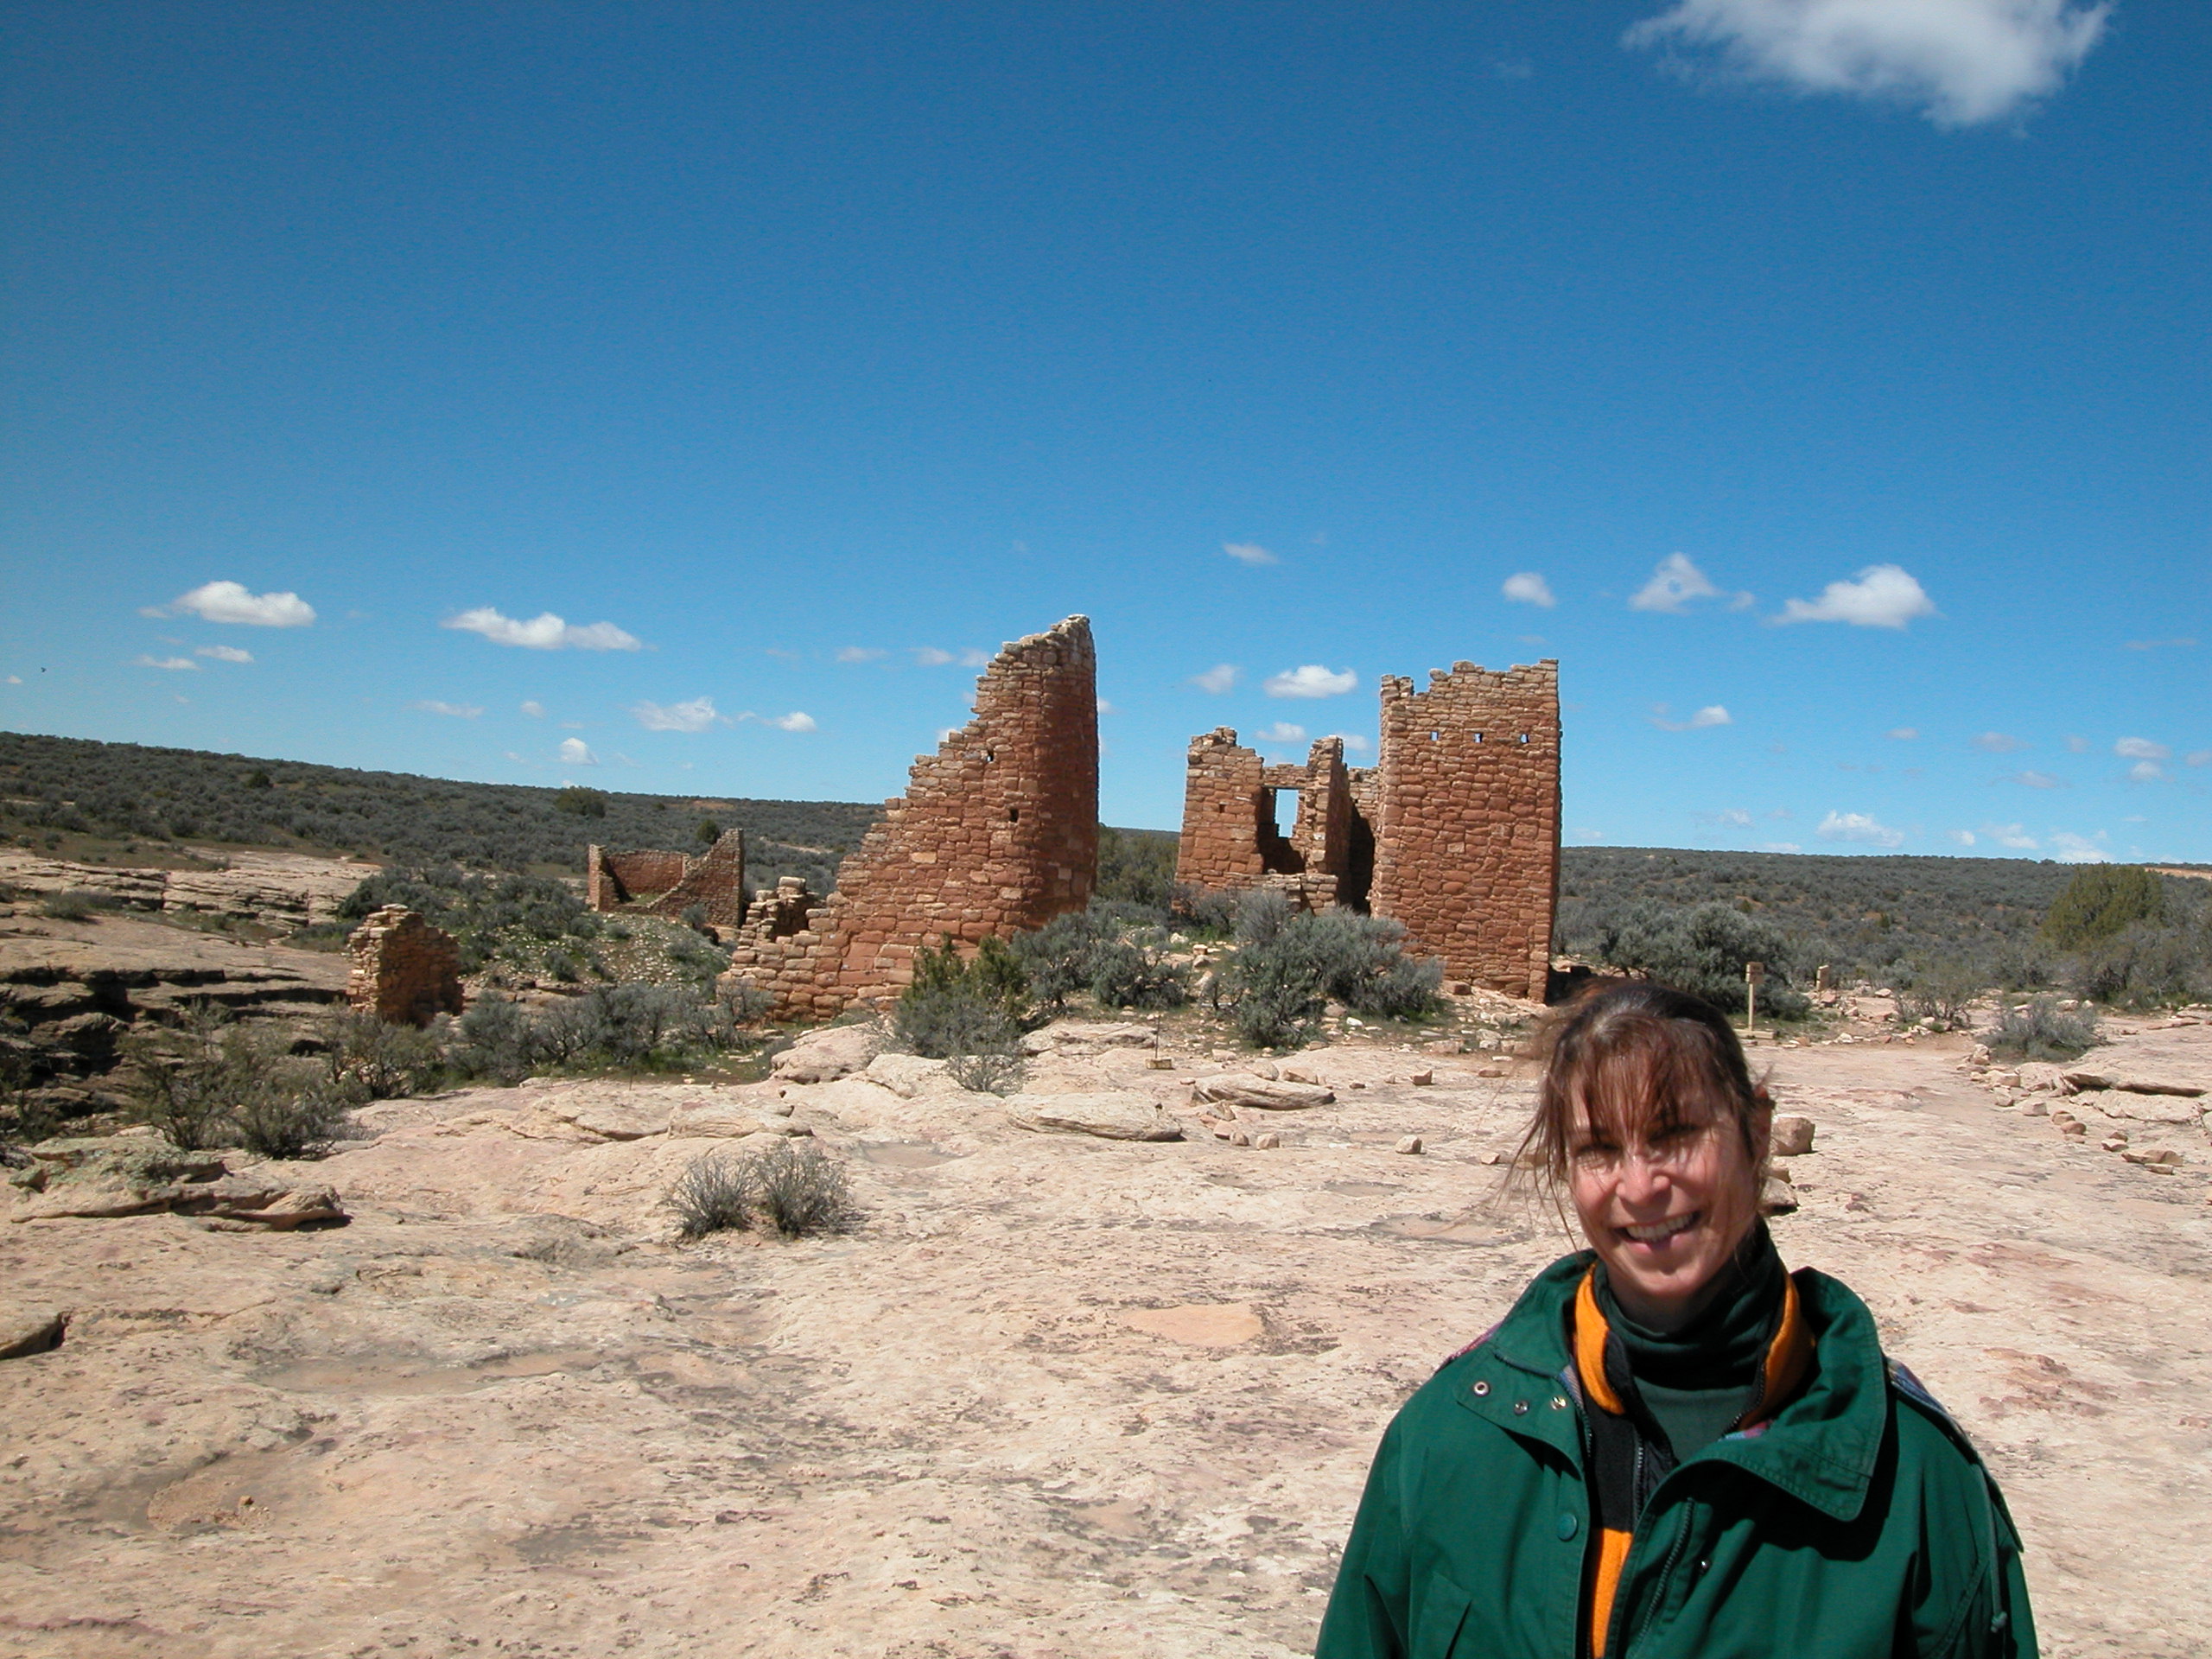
(544, 632)
(2141, 748)
(225, 653)
(1859, 827)
(2079, 849)
(575, 753)
(534, 708)
(1997, 743)
(1313, 680)
(2036, 780)
(1249, 553)
(1959, 62)
(1106, 708)
(797, 721)
(1781, 846)
(1219, 679)
(168, 662)
(1904, 733)
(229, 601)
(1883, 596)
(2147, 771)
(1588, 834)
(1964, 837)
(696, 715)
(2013, 835)
(458, 710)
(1282, 732)
(1529, 588)
(932, 656)
(1734, 815)
(2194, 757)
(861, 654)
(17, 680)
(973, 659)
(1353, 743)
(1711, 714)
(1674, 584)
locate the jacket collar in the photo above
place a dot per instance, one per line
(1821, 1448)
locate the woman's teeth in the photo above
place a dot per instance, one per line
(1659, 1229)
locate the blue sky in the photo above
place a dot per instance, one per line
(678, 397)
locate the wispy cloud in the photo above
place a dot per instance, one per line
(934, 657)
(534, 708)
(696, 715)
(1282, 733)
(2079, 849)
(1732, 814)
(2194, 757)
(1998, 743)
(224, 654)
(1963, 837)
(2078, 745)
(544, 632)
(1249, 553)
(231, 601)
(1961, 63)
(575, 751)
(170, 663)
(1526, 587)
(1312, 680)
(1106, 708)
(1780, 847)
(1674, 584)
(2160, 645)
(863, 654)
(1217, 679)
(1711, 714)
(1904, 733)
(2034, 779)
(1353, 743)
(1859, 827)
(1881, 596)
(458, 710)
(797, 721)
(2141, 748)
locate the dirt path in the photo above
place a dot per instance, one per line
(1059, 1396)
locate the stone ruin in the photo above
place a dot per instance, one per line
(997, 833)
(404, 971)
(1453, 834)
(668, 884)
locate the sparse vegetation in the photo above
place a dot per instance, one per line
(2038, 1029)
(1289, 965)
(298, 1121)
(1702, 949)
(794, 1187)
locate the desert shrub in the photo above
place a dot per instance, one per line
(387, 1061)
(298, 1121)
(580, 802)
(494, 1039)
(714, 1194)
(1939, 990)
(636, 1025)
(23, 1116)
(708, 833)
(1287, 966)
(958, 1007)
(2145, 966)
(1275, 1000)
(186, 1080)
(1261, 915)
(992, 1071)
(2038, 1029)
(1702, 949)
(1137, 972)
(1056, 958)
(794, 1187)
(1364, 965)
(2101, 902)
(1204, 911)
(77, 904)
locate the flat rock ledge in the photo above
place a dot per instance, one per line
(1266, 1094)
(90, 1177)
(1117, 1116)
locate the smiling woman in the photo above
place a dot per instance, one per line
(1671, 1445)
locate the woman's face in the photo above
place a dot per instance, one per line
(1666, 1210)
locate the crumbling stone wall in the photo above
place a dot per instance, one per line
(669, 883)
(1454, 834)
(1466, 832)
(997, 832)
(403, 970)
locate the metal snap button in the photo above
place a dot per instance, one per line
(1482, 1388)
(1559, 1403)
(1520, 1408)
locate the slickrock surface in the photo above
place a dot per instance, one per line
(1061, 1394)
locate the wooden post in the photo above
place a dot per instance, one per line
(1753, 973)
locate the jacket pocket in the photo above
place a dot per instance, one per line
(1437, 1620)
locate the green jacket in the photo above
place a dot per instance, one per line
(1858, 1523)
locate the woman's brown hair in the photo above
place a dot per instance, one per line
(1630, 1057)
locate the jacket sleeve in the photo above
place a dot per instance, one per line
(1995, 1621)
(1366, 1617)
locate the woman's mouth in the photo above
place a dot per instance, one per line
(1659, 1232)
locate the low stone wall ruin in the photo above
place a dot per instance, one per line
(403, 970)
(657, 883)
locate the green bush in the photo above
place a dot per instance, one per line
(1136, 868)
(186, 1080)
(2101, 902)
(2038, 1029)
(1056, 958)
(714, 1194)
(297, 1121)
(580, 802)
(1136, 972)
(1289, 964)
(78, 904)
(955, 1007)
(386, 1061)
(1939, 990)
(1702, 949)
(2145, 966)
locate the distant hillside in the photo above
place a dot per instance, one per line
(73, 796)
